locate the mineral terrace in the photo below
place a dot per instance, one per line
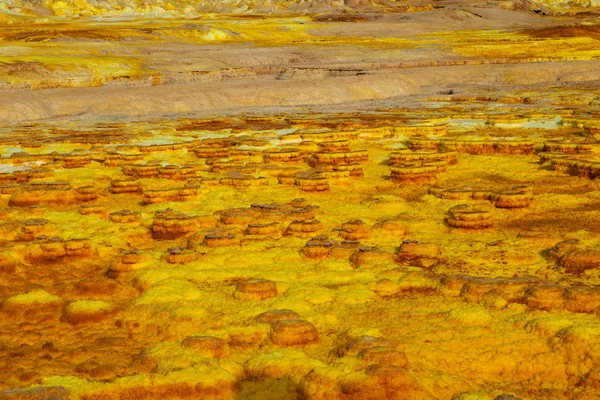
(304, 199)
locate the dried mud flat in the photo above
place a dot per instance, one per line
(325, 201)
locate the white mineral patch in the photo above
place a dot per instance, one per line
(552, 123)
(9, 168)
(7, 151)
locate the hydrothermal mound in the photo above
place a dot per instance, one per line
(359, 200)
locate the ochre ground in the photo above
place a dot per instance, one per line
(265, 207)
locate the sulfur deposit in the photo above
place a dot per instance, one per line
(285, 200)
